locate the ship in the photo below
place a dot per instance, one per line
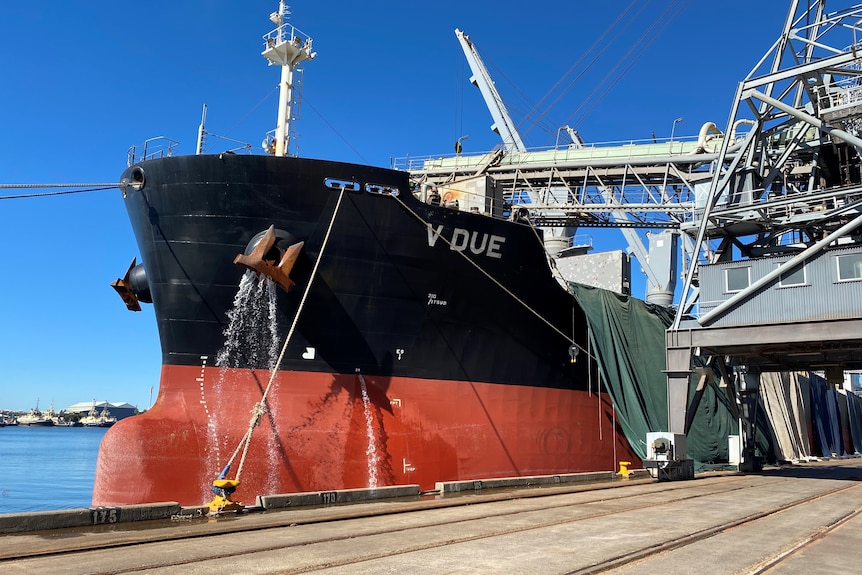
(409, 340)
(36, 418)
(95, 418)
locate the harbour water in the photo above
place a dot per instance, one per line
(47, 468)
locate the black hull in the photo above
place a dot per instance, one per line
(381, 287)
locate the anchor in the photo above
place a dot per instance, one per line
(261, 259)
(133, 287)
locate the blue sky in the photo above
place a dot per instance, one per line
(84, 81)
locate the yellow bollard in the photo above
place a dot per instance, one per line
(223, 488)
(624, 469)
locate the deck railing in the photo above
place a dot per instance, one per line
(158, 147)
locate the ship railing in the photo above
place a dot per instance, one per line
(158, 147)
(581, 241)
(286, 33)
(619, 150)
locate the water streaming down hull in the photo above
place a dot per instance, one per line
(416, 358)
(251, 338)
(372, 451)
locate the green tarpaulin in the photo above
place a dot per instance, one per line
(628, 342)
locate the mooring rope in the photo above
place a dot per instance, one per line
(90, 188)
(497, 282)
(260, 408)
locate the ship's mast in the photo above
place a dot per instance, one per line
(286, 47)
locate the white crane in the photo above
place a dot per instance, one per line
(660, 271)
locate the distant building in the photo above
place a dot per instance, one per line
(118, 410)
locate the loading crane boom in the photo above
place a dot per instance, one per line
(661, 275)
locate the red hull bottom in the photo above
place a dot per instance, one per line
(320, 435)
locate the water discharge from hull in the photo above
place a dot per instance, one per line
(245, 342)
(372, 452)
(250, 338)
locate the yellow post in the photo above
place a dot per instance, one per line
(223, 488)
(624, 469)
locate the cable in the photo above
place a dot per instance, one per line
(497, 282)
(61, 193)
(613, 77)
(599, 42)
(254, 109)
(337, 133)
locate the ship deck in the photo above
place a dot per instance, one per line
(801, 518)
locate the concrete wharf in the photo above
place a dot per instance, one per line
(795, 519)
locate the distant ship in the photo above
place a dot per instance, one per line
(95, 418)
(57, 418)
(35, 418)
(426, 343)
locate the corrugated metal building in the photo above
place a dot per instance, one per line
(826, 286)
(118, 410)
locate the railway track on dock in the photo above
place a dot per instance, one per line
(769, 523)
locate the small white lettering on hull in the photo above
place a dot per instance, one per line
(462, 240)
(433, 300)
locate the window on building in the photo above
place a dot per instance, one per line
(795, 277)
(849, 267)
(737, 279)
